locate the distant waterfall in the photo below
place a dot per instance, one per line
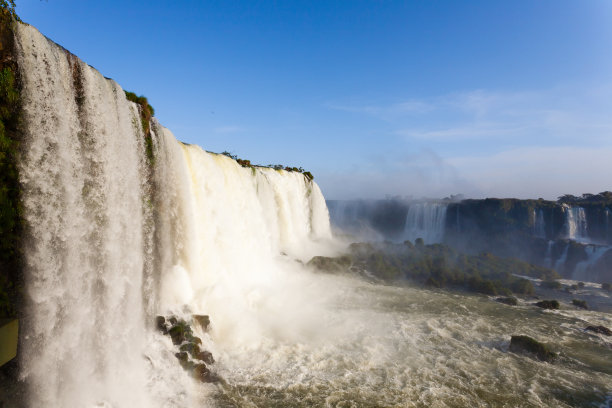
(539, 225)
(560, 263)
(103, 253)
(548, 262)
(594, 253)
(427, 221)
(575, 223)
(345, 215)
(608, 236)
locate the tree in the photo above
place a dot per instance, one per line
(8, 8)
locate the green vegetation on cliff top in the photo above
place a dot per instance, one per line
(247, 163)
(146, 113)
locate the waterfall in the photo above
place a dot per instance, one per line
(560, 263)
(103, 253)
(427, 221)
(594, 253)
(344, 214)
(539, 225)
(82, 175)
(548, 262)
(575, 223)
(607, 237)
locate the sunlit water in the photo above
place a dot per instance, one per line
(382, 346)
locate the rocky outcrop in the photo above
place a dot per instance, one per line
(528, 345)
(191, 356)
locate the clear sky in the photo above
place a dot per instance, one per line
(413, 98)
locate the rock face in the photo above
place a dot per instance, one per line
(526, 344)
(548, 304)
(599, 329)
(190, 355)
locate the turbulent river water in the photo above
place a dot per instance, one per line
(114, 239)
(384, 346)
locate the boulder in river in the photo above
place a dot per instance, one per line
(548, 304)
(526, 344)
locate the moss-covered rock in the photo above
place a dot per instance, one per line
(526, 344)
(179, 332)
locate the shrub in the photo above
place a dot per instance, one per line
(551, 284)
(548, 304)
(579, 303)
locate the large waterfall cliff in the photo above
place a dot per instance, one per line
(119, 227)
(114, 237)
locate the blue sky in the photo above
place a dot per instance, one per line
(411, 98)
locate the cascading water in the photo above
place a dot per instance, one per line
(608, 236)
(539, 225)
(582, 270)
(548, 262)
(427, 221)
(82, 174)
(94, 278)
(575, 223)
(560, 263)
(354, 217)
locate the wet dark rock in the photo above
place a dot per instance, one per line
(510, 300)
(160, 323)
(580, 303)
(202, 320)
(190, 356)
(193, 339)
(182, 356)
(599, 329)
(201, 372)
(548, 304)
(180, 332)
(191, 348)
(526, 344)
(204, 356)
